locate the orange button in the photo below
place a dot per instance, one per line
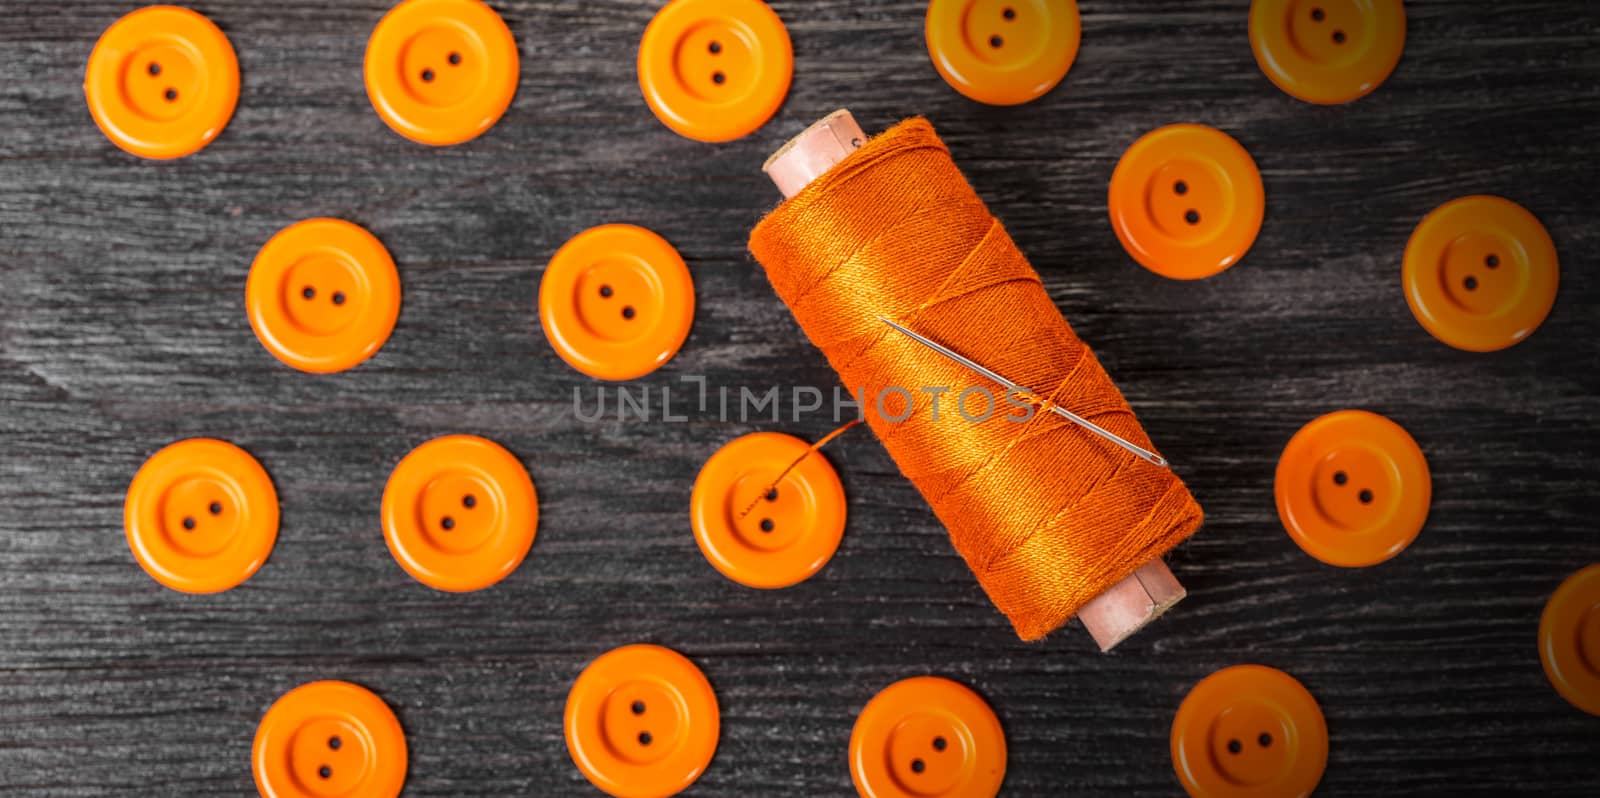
(162, 82)
(201, 515)
(927, 737)
(1480, 273)
(1249, 730)
(329, 738)
(441, 71)
(789, 533)
(1569, 639)
(642, 722)
(1353, 488)
(616, 302)
(715, 70)
(459, 513)
(1327, 51)
(1003, 52)
(323, 295)
(1186, 201)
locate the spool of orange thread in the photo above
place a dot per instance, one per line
(1054, 522)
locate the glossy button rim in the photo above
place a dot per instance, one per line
(357, 257)
(1304, 471)
(239, 478)
(723, 537)
(965, 65)
(1569, 637)
(488, 43)
(1273, 40)
(1215, 162)
(1530, 263)
(696, 717)
(341, 705)
(497, 484)
(1276, 694)
(186, 32)
(759, 33)
(599, 349)
(909, 706)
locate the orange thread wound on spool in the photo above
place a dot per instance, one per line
(1046, 516)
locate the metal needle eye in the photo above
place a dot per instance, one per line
(1139, 451)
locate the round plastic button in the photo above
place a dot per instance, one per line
(616, 302)
(1353, 488)
(162, 82)
(1480, 273)
(789, 533)
(1249, 732)
(715, 70)
(201, 515)
(459, 513)
(1569, 639)
(927, 737)
(441, 71)
(327, 739)
(1003, 52)
(1327, 51)
(323, 295)
(642, 722)
(1186, 201)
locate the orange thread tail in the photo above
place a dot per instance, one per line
(1046, 514)
(815, 447)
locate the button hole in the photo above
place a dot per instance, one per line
(772, 495)
(1317, 15)
(605, 291)
(1180, 188)
(996, 42)
(427, 76)
(448, 523)
(308, 292)
(645, 738)
(188, 522)
(469, 501)
(1265, 740)
(1234, 746)
(939, 744)
(719, 78)
(715, 48)
(1365, 496)
(338, 297)
(638, 707)
(917, 766)
(1192, 216)
(1338, 37)
(154, 69)
(628, 312)
(767, 525)
(1010, 14)
(455, 59)
(171, 95)
(1471, 283)
(334, 743)
(1493, 261)
(1340, 477)
(215, 508)
(325, 772)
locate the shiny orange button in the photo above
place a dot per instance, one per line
(201, 515)
(1353, 488)
(1249, 731)
(788, 533)
(441, 71)
(323, 295)
(1003, 52)
(162, 82)
(1569, 639)
(1186, 201)
(327, 739)
(459, 513)
(715, 70)
(1327, 51)
(927, 737)
(1480, 273)
(616, 302)
(642, 722)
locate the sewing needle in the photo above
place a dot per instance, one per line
(1139, 451)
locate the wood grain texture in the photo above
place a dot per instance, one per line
(122, 329)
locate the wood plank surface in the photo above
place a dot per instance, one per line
(122, 329)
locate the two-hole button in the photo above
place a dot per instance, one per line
(441, 72)
(767, 511)
(1003, 52)
(715, 70)
(1352, 488)
(1569, 639)
(1327, 51)
(642, 722)
(323, 295)
(616, 302)
(201, 516)
(329, 739)
(1249, 730)
(162, 82)
(927, 737)
(459, 513)
(1186, 201)
(1480, 273)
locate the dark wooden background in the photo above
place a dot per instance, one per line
(122, 329)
